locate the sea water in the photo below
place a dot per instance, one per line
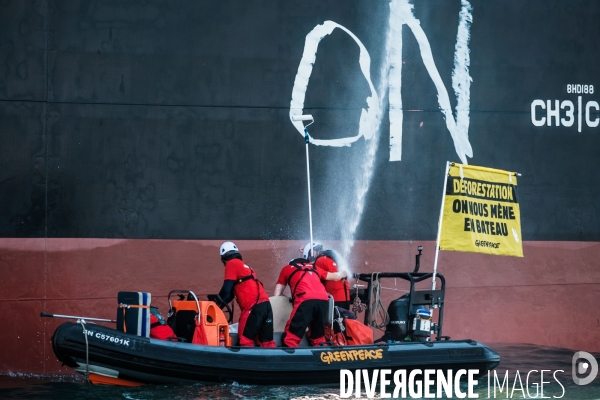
(514, 357)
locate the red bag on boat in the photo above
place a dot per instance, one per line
(199, 334)
(338, 339)
(357, 332)
(158, 330)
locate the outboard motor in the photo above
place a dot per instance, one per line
(407, 326)
(397, 328)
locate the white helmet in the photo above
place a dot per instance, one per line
(227, 247)
(308, 253)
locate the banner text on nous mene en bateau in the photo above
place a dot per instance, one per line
(481, 212)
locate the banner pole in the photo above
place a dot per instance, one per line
(437, 243)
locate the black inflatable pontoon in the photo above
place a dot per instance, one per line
(119, 355)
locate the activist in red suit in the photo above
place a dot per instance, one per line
(335, 283)
(256, 315)
(310, 302)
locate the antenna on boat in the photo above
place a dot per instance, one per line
(307, 117)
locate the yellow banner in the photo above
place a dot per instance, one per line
(481, 212)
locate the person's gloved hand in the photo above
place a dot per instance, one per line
(216, 299)
(343, 274)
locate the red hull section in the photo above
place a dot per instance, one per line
(548, 298)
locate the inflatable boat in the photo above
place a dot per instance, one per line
(113, 356)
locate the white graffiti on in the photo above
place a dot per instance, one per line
(401, 13)
(368, 115)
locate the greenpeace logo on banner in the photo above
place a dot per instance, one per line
(483, 243)
(567, 113)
